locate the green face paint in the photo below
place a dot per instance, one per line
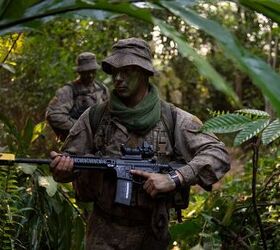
(127, 81)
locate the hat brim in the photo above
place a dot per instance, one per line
(119, 60)
(87, 67)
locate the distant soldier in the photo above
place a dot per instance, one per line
(75, 97)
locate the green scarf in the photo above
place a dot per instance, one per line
(141, 118)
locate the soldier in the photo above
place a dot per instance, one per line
(74, 98)
(134, 114)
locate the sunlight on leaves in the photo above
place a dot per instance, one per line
(27, 168)
(48, 183)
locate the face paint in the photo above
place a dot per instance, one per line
(127, 81)
(87, 77)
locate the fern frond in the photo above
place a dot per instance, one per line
(253, 112)
(227, 123)
(216, 113)
(271, 132)
(250, 130)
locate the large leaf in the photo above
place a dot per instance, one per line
(269, 8)
(227, 123)
(262, 75)
(250, 130)
(201, 63)
(24, 18)
(271, 132)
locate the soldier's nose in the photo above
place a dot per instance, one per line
(119, 77)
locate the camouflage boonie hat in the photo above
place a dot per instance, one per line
(86, 61)
(131, 51)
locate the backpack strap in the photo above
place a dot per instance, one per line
(74, 89)
(101, 86)
(96, 114)
(169, 117)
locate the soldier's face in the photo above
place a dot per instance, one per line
(127, 81)
(87, 76)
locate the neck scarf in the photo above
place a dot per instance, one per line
(140, 118)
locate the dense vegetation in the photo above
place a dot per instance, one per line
(211, 56)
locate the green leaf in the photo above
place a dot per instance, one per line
(45, 9)
(183, 230)
(226, 123)
(231, 205)
(201, 63)
(48, 183)
(271, 132)
(262, 75)
(27, 168)
(26, 136)
(269, 8)
(38, 130)
(253, 112)
(250, 130)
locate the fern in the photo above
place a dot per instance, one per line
(227, 123)
(250, 123)
(10, 213)
(250, 130)
(271, 132)
(253, 113)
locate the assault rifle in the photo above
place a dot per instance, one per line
(132, 158)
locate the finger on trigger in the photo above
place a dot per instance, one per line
(140, 173)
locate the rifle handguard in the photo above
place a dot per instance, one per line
(174, 176)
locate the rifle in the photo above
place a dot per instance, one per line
(132, 158)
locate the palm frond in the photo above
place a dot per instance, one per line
(227, 123)
(271, 132)
(250, 130)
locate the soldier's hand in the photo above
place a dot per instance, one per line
(155, 183)
(61, 166)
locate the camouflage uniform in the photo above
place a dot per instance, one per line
(206, 157)
(74, 98)
(144, 224)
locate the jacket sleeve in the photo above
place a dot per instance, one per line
(57, 113)
(79, 142)
(206, 156)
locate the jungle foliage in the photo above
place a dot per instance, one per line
(210, 55)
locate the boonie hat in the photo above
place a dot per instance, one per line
(86, 61)
(131, 51)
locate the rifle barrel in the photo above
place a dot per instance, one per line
(33, 161)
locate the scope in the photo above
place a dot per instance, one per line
(145, 151)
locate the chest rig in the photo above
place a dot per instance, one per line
(80, 96)
(168, 118)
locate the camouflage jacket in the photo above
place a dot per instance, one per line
(205, 156)
(73, 97)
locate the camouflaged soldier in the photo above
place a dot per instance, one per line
(74, 98)
(135, 114)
